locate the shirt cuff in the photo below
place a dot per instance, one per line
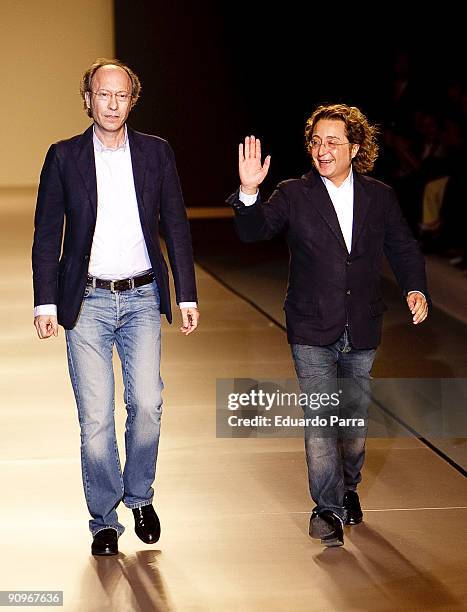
(416, 291)
(246, 198)
(188, 305)
(45, 309)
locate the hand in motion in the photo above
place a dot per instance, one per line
(190, 318)
(46, 326)
(252, 173)
(418, 306)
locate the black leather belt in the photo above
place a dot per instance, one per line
(121, 285)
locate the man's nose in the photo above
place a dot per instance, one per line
(113, 104)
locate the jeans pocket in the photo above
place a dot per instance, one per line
(148, 289)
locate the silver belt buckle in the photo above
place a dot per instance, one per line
(112, 286)
(132, 283)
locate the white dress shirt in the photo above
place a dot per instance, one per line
(118, 246)
(342, 200)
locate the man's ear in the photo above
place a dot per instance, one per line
(354, 150)
(87, 98)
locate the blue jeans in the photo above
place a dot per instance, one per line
(334, 461)
(130, 319)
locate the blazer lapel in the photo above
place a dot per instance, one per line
(320, 197)
(87, 168)
(138, 162)
(361, 205)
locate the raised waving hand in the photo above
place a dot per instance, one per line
(252, 172)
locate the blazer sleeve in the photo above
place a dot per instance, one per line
(402, 250)
(260, 221)
(176, 230)
(48, 231)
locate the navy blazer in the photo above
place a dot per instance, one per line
(68, 193)
(329, 287)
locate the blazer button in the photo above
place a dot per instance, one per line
(86, 257)
(348, 291)
(348, 262)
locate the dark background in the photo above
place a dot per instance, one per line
(214, 72)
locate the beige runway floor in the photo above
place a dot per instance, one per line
(234, 512)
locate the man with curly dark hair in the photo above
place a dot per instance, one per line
(338, 224)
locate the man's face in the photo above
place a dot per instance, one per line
(331, 151)
(111, 113)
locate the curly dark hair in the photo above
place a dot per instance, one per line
(85, 85)
(357, 128)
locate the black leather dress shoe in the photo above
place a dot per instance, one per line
(354, 511)
(105, 542)
(147, 525)
(328, 527)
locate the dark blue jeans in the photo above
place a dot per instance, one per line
(334, 458)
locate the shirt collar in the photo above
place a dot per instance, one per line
(100, 147)
(346, 184)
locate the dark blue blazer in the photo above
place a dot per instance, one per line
(68, 194)
(328, 286)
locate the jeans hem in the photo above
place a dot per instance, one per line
(95, 532)
(340, 512)
(134, 505)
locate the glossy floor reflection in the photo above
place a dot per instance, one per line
(234, 512)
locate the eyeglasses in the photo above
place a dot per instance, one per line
(330, 144)
(106, 96)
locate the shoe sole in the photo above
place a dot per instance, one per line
(333, 542)
(104, 554)
(354, 521)
(319, 529)
(147, 541)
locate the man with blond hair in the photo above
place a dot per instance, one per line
(338, 224)
(108, 285)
